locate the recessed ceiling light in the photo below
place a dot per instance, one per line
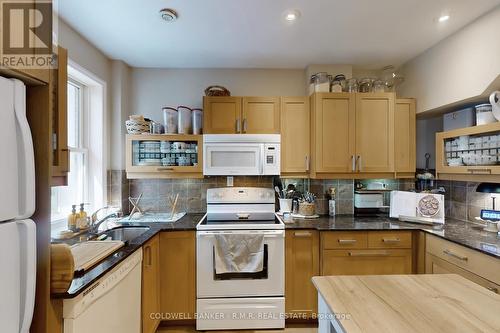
(168, 15)
(292, 15)
(444, 18)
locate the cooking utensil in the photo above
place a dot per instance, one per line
(277, 190)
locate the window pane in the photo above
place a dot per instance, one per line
(74, 113)
(73, 194)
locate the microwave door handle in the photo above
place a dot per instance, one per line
(262, 159)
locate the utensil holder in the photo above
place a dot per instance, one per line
(307, 209)
(285, 205)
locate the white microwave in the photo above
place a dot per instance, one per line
(241, 154)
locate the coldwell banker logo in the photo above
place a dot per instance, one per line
(26, 34)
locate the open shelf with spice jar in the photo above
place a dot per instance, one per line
(164, 156)
(469, 154)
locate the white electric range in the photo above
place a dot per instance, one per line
(240, 300)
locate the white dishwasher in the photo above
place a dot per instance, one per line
(112, 304)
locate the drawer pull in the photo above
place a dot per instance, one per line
(454, 255)
(486, 171)
(165, 169)
(347, 241)
(368, 254)
(493, 289)
(391, 240)
(302, 234)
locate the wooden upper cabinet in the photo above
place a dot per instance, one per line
(302, 263)
(375, 132)
(59, 106)
(295, 136)
(252, 115)
(222, 115)
(150, 284)
(333, 128)
(405, 136)
(261, 115)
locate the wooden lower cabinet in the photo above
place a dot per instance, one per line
(435, 265)
(366, 262)
(178, 275)
(150, 284)
(301, 264)
(366, 253)
(445, 257)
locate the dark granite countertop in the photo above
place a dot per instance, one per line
(462, 233)
(81, 282)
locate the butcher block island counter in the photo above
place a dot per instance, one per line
(405, 303)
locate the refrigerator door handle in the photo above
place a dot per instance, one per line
(27, 229)
(25, 154)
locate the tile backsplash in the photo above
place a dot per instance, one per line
(461, 199)
(158, 193)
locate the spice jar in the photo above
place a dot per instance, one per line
(379, 86)
(352, 85)
(365, 85)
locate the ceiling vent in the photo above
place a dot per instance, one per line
(168, 15)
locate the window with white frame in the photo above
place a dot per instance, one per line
(86, 181)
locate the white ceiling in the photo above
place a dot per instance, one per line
(253, 33)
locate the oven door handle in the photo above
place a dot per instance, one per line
(266, 233)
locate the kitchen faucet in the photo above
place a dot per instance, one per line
(95, 222)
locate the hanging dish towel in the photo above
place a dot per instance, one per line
(239, 253)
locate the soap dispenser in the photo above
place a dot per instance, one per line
(72, 218)
(81, 222)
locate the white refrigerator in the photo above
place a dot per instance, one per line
(17, 205)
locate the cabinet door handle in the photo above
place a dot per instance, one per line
(302, 234)
(358, 161)
(147, 254)
(245, 125)
(165, 169)
(368, 254)
(493, 289)
(454, 255)
(391, 240)
(473, 171)
(238, 125)
(353, 161)
(347, 241)
(307, 163)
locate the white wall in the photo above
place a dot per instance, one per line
(153, 89)
(458, 68)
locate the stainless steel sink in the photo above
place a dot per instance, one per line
(126, 233)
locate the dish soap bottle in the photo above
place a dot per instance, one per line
(81, 222)
(72, 218)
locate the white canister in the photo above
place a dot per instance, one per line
(170, 116)
(184, 117)
(484, 114)
(285, 205)
(197, 121)
(331, 207)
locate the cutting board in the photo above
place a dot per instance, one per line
(88, 254)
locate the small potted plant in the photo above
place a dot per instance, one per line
(307, 204)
